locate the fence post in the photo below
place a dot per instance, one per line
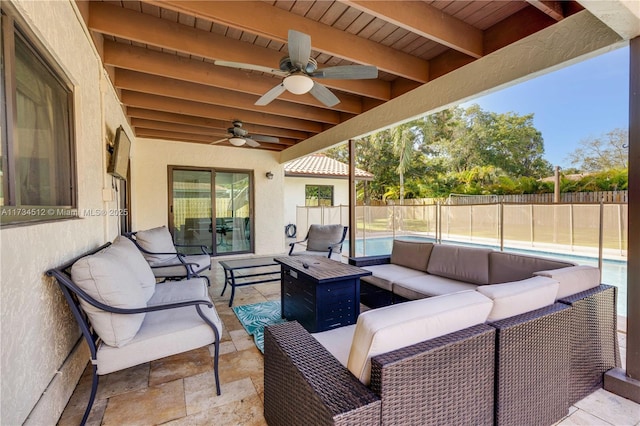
(438, 224)
(601, 237)
(501, 225)
(532, 225)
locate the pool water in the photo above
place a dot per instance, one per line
(614, 272)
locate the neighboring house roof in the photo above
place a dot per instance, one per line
(319, 165)
(572, 177)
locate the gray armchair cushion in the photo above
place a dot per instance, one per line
(320, 237)
(129, 254)
(156, 240)
(107, 279)
(411, 254)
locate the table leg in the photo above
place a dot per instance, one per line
(233, 287)
(226, 280)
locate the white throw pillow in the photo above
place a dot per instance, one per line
(129, 254)
(518, 297)
(104, 277)
(157, 240)
(393, 327)
(573, 279)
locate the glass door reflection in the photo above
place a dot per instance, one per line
(233, 212)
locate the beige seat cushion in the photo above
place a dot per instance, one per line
(129, 253)
(164, 333)
(385, 275)
(337, 341)
(393, 327)
(106, 278)
(411, 254)
(573, 279)
(468, 264)
(428, 286)
(518, 297)
(156, 240)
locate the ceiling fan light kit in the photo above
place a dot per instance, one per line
(236, 141)
(299, 69)
(298, 84)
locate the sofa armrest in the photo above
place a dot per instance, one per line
(305, 384)
(370, 260)
(445, 380)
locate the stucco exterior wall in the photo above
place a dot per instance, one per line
(295, 196)
(149, 177)
(41, 362)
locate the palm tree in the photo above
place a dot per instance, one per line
(403, 141)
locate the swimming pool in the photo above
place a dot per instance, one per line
(614, 272)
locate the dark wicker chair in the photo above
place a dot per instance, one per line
(532, 367)
(593, 342)
(446, 380)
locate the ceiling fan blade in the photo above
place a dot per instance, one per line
(218, 141)
(324, 95)
(251, 142)
(251, 67)
(263, 138)
(271, 95)
(299, 48)
(347, 72)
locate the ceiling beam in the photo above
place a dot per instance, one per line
(550, 7)
(164, 86)
(120, 55)
(142, 28)
(324, 38)
(426, 21)
(213, 124)
(162, 103)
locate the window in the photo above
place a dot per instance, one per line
(37, 176)
(318, 195)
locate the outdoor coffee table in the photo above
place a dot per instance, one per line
(241, 272)
(321, 296)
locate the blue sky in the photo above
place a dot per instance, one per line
(585, 100)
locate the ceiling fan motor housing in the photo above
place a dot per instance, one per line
(287, 66)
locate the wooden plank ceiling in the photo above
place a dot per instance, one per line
(160, 56)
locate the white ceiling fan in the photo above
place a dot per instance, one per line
(239, 136)
(299, 70)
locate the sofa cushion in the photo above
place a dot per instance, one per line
(518, 297)
(337, 342)
(573, 279)
(107, 279)
(129, 254)
(385, 275)
(320, 237)
(428, 286)
(393, 327)
(174, 268)
(156, 240)
(507, 267)
(468, 264)
(411, 254)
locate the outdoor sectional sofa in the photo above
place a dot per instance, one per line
(490, 338)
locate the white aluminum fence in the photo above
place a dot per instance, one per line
(585, 229)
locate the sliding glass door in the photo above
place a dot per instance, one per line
(211, 208)
(233, 212)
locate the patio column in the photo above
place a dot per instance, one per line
(621, 382)
(352, 198)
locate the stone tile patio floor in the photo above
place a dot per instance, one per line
(180, 390)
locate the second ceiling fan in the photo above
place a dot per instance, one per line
(299, 68)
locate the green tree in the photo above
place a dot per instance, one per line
(608, 151)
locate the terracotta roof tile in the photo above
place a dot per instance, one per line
(322, 166)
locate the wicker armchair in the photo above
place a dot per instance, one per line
(446, 380)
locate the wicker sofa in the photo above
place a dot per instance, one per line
(533, 356)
